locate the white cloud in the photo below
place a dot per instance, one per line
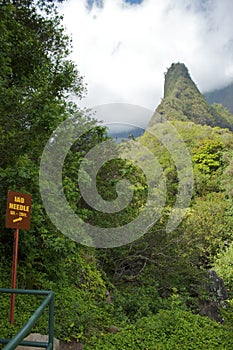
(123, 50)
(123, 116)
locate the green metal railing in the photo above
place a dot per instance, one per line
(18, 339)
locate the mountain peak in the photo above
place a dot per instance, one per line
(183, 101)
(174, 73)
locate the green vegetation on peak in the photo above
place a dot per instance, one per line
(176, 72)
(183, 101)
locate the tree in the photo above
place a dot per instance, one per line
(36, 78)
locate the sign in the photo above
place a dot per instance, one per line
(18, 210)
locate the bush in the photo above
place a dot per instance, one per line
(169, 329)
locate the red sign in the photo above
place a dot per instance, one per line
(18, 210)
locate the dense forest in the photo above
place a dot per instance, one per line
(168, 289)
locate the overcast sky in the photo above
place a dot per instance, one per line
(123, 47)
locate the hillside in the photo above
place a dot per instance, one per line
(223, 96)
(183, 101)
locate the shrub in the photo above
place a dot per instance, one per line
(169, 329)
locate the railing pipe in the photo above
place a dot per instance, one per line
(25, 291)
(18, 339)
(51, 321)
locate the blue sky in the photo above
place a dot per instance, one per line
(123, 51)
(99, 3)
(134, 1)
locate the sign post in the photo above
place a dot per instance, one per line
(17, 217)
(14, 273)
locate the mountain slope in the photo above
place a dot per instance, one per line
(183, 101)
(223, 96)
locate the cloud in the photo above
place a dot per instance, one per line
(121, 116)
(122, 50)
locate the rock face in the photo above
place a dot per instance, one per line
(217, 286)
(38, 338)
(217, 295)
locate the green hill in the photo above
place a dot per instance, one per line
(223, 96)
(183, 101)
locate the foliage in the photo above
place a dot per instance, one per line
(107, 180)
(169, 329)
(208, 226)
(208, 156)
(79, 309)
(37, 76)
(223, 266)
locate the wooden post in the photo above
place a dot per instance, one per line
(14, 273)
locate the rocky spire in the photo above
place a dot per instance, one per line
(183, 101)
